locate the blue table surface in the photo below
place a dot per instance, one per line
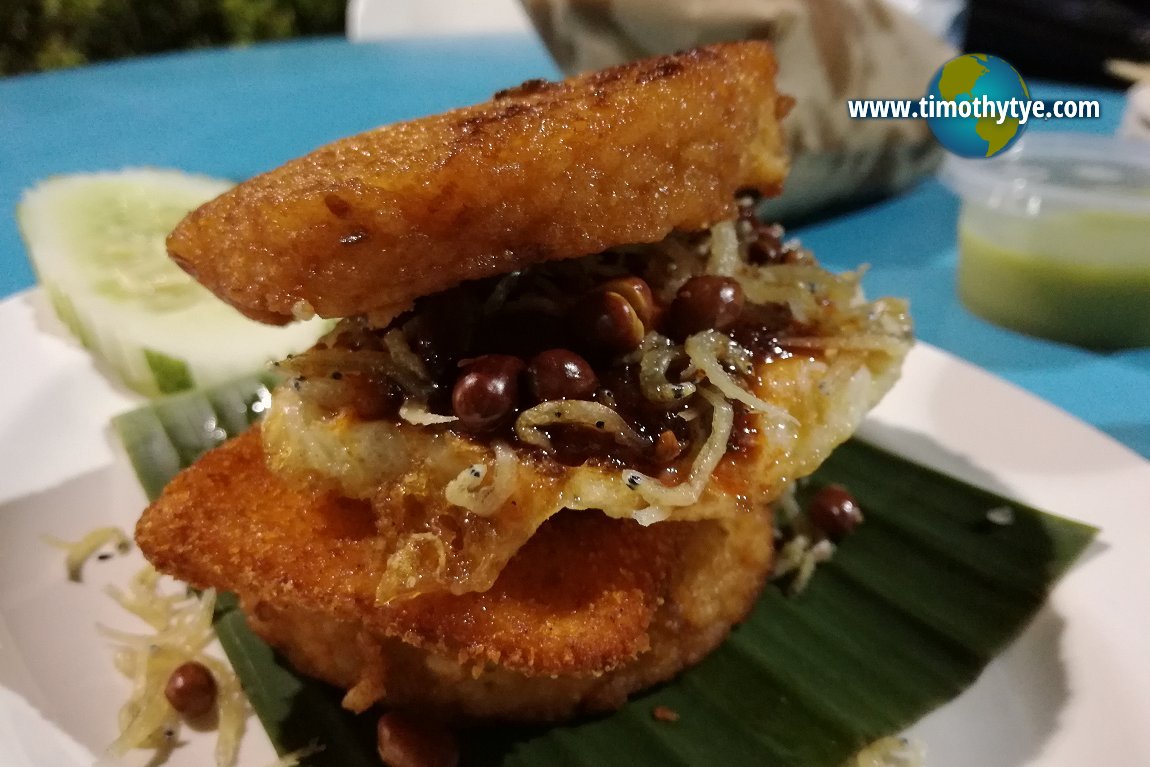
(234, 113)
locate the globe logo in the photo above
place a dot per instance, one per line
(971, 82)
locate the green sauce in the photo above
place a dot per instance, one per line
(1080, 278)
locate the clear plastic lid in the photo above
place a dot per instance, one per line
(1064, 170)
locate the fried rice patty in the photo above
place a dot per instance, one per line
(545, 171)
(588, 611)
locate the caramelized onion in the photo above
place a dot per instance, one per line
(376, 365)
(406, 361)
(725, 259)
(593, 415)
(658, 496)
(416, 413)
(658, 354)
(707, 352)
(468, 490)
(869, 342)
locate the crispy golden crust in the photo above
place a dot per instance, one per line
(719, 571)
(544, 171)
(588, 611)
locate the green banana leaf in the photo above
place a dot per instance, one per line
(904, 617)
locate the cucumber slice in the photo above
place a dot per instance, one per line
(171, 432)
(97, 244)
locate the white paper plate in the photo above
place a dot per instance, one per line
(1074, 690)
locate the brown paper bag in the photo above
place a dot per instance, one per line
(828, 50)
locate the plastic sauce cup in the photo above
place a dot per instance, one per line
(1054, 238)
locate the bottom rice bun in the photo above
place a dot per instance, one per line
(527, 495)
(590, 610)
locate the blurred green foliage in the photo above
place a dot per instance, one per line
(51, 34)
